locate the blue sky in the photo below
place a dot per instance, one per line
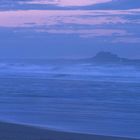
(69, 28)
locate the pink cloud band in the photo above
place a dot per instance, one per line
(66, 3)
(32, 18)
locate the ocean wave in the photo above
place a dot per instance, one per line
(63, 70)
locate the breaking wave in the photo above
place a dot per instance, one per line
(61, 70)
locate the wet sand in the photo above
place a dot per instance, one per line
(9, 131)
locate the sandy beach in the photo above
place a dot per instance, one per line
(9, 131)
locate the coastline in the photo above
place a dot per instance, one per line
(11, 131)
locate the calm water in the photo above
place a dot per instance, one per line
(79, 97)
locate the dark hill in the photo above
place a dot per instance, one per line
(107, 57)
(110, 58)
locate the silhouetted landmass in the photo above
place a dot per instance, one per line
(108, 57)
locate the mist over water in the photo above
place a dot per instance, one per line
(74, 96)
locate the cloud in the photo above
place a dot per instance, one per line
(88, 33)
(129, 39)
(84, 23)
(33, 18)
(67, 2)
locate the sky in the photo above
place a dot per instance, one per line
(69, 28)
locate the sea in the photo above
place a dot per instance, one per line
(72, 95)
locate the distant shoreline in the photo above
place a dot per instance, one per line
(11, 131)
